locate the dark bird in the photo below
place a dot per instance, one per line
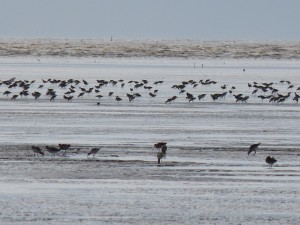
(69, 98)
(118, 99)
(152, 95)
(64, 147)
(224, 86)
(81, 94)
(168, 100)
(14, 97)
(158, 82)
(24, 93)
(53, 97)
(99, 96)
(171, 99)
(270, 160)
(37, 150)
(6, 93)
(148, 87)
(36, 95)
(162, 153)
(164, 149)
(52, 150)
(253, 148)
(192, 99)
(189, 96)
(82, 89)
(93, 151)
(201, 96)
(130, 97)
(159, 144)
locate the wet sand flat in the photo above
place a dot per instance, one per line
(206, 177)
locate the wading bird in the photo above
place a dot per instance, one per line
(159, 144)
(161, 154)
(37, 150)
(64, 147)
(52, 150)
(270, 160)
(93, 151)
(253, 148)
(163, 150)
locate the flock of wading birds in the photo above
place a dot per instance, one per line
(161, 146)
(72, 88)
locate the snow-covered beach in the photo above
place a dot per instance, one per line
(206, 178)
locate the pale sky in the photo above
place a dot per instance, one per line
(148, 19)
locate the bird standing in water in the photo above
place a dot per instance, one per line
(162, 153)
(159, 144)
(271, 160)
(52, 150)
(253, 148)
(64, 147)
(37, 150)
(93, 151)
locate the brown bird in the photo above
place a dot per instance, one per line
(270, 160)
(253, 148)
(64, 147)
(93, 151)
(52, 150)
(37, 150)
(159, 144)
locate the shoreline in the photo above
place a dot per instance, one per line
(194, 49)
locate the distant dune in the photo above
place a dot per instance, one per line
(150, 48)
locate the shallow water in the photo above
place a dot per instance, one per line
(146, 120)
(206, 178)
(190, 187)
